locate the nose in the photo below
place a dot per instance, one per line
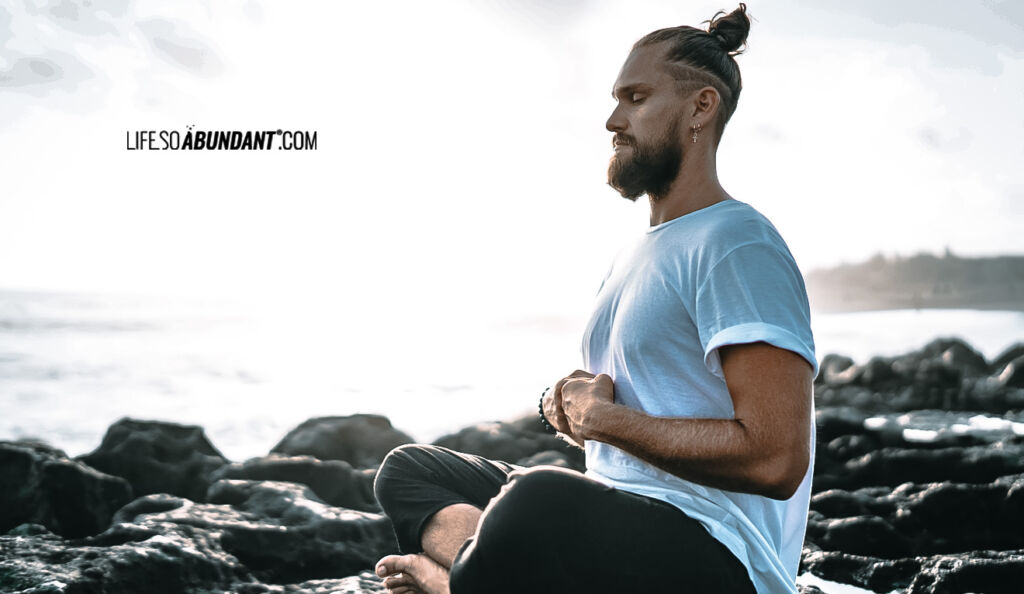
(616, 123)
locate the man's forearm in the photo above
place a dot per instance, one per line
(721, 453)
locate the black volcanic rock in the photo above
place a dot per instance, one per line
(845, 447)
(174, 560)
(127, 559)
(361, 440)
(961, 356)
(158, 457)
(895, 466)
(942, 537)
(991, 572)
(910, 495)
(946, 374)
(1011, 353)
(42, 485)
(1012, 375)
(256, 537)
(334, 481)
(861, 535)
(833, 422)
(298, 537)
(838, 503)
(510, 441)
(831, 367)
(876, 374)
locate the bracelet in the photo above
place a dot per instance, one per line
(548, 427)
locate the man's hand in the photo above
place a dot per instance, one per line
(553, 408)
(583, 401)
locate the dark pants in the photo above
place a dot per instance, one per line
(548, 529)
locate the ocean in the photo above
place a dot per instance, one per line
(72, 364)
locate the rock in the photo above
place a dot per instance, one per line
(992, 572)
(837, 503)
(254, 537)
(938, 374)
(894, 466)
(946, 374)
(28, 530)
(862, 535)
(126, 560)
(831, 367)
(365, 582)
(1012, 375)
(333, 481)
(158, 457)
(845, 447)
(298, 537)
(360, 440)
(872, 573)
(834, 422)
(920, 520)
(41, 485)
(876, 374)
(960, 356)
(1011, 353)
(510, 441)
(952, 352)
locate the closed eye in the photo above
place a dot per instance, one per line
(636, 93)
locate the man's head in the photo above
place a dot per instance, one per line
(676, 84)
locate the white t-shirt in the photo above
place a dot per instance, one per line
(717, 276)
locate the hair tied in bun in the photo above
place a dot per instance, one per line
(730, 29)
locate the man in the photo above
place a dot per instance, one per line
(695, 411)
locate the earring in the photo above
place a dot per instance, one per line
(696, 130)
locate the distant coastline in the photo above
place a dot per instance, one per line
(923, 281)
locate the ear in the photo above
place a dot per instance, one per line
(705, 105)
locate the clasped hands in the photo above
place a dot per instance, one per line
(575, 404)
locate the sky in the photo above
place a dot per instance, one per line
(461, 149)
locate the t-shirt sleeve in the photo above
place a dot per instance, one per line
(754, 294)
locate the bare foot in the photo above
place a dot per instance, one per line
(413, 574)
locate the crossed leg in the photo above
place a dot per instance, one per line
(435, 497)
(427, 572)
(543, 531)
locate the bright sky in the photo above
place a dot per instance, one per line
(461, 144)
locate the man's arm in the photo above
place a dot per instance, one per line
(764, 450)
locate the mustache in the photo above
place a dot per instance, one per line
(623, 139)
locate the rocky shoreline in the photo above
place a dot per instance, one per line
(919, 487)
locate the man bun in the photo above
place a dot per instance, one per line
(731, 29)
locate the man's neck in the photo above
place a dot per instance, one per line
(695, 187)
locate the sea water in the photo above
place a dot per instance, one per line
(72, 364)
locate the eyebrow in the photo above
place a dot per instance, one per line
(628, 89)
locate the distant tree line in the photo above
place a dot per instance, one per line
(922, 280)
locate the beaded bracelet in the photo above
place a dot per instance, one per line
(544, 420)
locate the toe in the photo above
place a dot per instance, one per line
(389, 565)
(402, 579)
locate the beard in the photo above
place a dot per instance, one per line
(650, 168)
